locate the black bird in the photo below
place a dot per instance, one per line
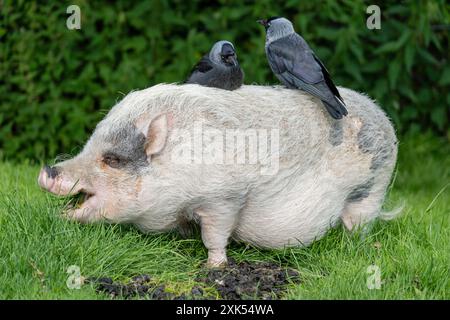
(296, 65)
(219, 68)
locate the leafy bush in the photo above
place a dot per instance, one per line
(56, 84)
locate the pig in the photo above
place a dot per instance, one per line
(166, 158)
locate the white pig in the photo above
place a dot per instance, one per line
(263, 165)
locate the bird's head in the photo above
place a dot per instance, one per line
(223, 53)
(277, 27)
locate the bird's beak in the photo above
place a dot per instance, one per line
(262, 22)
(232, 60)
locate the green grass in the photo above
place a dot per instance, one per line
(412, 251)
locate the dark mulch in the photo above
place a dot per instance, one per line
(244, 280)
(139, 286)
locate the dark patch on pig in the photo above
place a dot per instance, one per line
(336, 135)
(264, 280)
(128, 146)
(365, 140)
(373, 142)
(361, 191)
(52, 172)
(381, 156)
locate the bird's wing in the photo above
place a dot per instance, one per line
(199, 70)
(292, 54)
(327, 78)
(204, 65)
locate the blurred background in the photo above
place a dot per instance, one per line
(56, 84)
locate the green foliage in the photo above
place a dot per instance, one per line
(56, 84)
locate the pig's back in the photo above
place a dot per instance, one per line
(306, 131)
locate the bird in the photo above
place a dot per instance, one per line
(219, 68)
(297, 66)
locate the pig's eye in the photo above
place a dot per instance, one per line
(112, 160)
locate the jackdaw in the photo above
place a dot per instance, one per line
(219, 68)
(296, 65)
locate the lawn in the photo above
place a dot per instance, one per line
(411, 252)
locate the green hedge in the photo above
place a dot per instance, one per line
(56, 84)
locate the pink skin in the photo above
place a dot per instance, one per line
(111, 192)
(115, 195)
(61, 185)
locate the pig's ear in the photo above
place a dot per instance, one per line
(156, 135)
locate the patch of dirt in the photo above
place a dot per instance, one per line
(246, 280)
(237, 281)
(139, 286)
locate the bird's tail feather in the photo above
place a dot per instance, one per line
(336, 109)
(342, 106)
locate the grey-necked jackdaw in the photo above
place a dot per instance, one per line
(296, 65)
(219, 68)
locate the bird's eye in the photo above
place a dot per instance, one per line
(112, 160)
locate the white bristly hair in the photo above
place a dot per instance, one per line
(329, 170)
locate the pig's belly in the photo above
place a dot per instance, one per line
(294, 217)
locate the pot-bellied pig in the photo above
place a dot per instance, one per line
(263, 165)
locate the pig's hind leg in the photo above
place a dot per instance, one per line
(361, 210)
(364, 203)
(217, 223)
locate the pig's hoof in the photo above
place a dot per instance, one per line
(217, 258)
(217, 263)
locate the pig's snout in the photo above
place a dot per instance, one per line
(52, 172)
(51, 180)
(47, 177)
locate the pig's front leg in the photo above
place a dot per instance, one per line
(217, 223)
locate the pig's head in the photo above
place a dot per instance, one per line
(107, 174)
